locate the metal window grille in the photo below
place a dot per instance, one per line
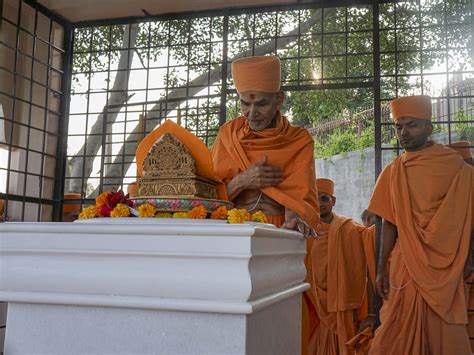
(32, 75)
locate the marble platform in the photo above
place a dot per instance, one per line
(151, 286)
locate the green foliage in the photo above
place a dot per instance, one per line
(341, 142)
(465, 130)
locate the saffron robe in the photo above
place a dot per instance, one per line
(428, 195)
(291, 148)
(339, 271)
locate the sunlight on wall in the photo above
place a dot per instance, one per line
(3, 173)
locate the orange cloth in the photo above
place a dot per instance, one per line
(325, 185)
(196, 147)
(277, 220)
(259, 73)
(368, 238)
(339, 281)
(72, 207)
(418, 106)
(132, 189)
(310, 317)
(426, 307)
(360, 344)
(291, 148)
(463, 148)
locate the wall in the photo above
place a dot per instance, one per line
(354, 176)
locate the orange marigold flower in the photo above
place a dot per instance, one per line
(219, 213)
(101, 200)
(259, 216)
(120, 210)
(198, 212)
(246, 214)
(146, 211)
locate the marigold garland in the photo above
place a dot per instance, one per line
(219, 213)
(146, 211)
(120, 210)
(164, 215)
(198, 212)
(89, 212)
(235, 215)
(180, 215)
(116, 204)
(259, 216)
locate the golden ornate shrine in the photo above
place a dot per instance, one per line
(169, 170)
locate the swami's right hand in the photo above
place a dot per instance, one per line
(383, 283)
(261, 175)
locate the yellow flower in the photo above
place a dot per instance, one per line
(259, 216)
(219, 213)
(198, 212)
(89, 212)
(180, 215)
(164, 215)
(120, 211)
(238, 215)
(146, 210)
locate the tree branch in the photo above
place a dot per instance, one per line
(115, 172)
(81, 163)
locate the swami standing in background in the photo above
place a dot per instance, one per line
(424, 310)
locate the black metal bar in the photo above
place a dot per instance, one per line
(448, 86)
(377, 131)
(27, 102)
(45, 123)
(15, 63)
(105, 115)
(1, 16)
(129, 65)
(225, 39)
(346, 44)
(206, 138)
(63, 123)
(27, 199)
(32, 81)
(29, 116)
(420, 32)
(143, 121)
(83, 189)
(233, 11)
(51, 14)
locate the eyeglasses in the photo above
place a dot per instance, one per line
(324, 198)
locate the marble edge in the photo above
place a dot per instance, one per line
(153, 303)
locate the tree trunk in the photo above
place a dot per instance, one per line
(82, 166)
(115, 173)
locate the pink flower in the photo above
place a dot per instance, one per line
(105, 211)
(196, 203)
(115, 198)
(215, 205)
(174, 204)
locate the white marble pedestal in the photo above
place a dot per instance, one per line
(151, 286)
